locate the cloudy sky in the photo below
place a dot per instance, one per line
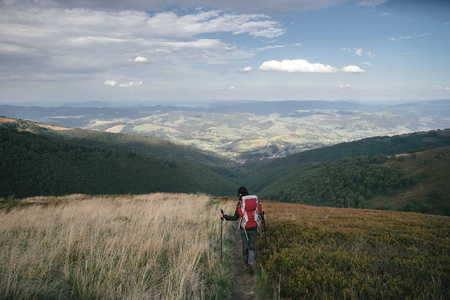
(155, 50)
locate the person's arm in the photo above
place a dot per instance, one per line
(235, 217)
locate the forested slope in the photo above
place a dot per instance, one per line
(150, 145)
(415, 182)
(370, 146)
(33, 165)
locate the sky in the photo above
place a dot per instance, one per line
(65, 51)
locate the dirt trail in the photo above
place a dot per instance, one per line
(243, 283)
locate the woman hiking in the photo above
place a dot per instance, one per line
(250, 213)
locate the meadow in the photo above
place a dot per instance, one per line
(158, 246)
(168, 246)
(344, 253)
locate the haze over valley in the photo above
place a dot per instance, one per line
(251, 129)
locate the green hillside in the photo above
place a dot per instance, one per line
(33, 165)
(415, 182)
(46, 160)
(370, 146)
(151, 145)
(261, 174)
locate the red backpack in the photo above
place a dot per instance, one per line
(250, 211)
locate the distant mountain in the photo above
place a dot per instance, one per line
(247, 130)
(438, 108)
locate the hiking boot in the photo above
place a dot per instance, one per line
(251, 270)
(246, 268)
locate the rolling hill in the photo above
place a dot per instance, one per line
(41, 159)
(34, 165)
(413, 182)
(247, 130)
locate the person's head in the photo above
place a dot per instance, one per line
(242, 191)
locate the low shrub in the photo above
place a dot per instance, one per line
(326, 253)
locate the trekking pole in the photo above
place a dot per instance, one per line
(265, 232)
(221, 236)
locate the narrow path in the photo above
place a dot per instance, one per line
(243, 283)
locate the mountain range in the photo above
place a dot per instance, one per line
(404, 172)
(246, 130)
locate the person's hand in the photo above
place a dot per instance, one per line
(221, 215)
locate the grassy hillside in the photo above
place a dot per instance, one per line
(34, 165)
(159, 246)
(342, 253)
(261, 174)
(98, 247)
(415, 182)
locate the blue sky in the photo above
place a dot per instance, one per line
(127, 51)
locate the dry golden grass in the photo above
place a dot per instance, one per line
(159, 246)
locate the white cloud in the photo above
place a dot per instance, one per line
(246, 70)
(366, 63)
(110, 82)
(140, 59)
(131, 84)
(372, 2)
(170, 24)
(303, 66)
(296, 66)
(357, 51)
(345, 86)
(52, 40)
(441, 88)
(270, 47)
(239, 5)
(410, 37)
(352, 69)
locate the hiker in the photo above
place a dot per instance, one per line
(250, 213)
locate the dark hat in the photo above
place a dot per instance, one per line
(242, 191)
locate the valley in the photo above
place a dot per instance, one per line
(324, 161)
(250, 129)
